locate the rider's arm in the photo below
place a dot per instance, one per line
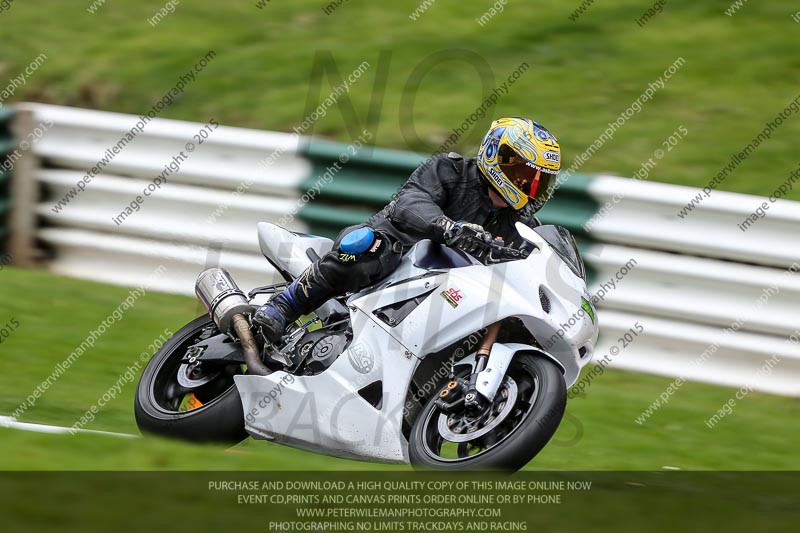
(419, 202)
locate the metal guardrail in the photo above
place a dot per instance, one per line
(647, 217)
(703, 284)
(692, 278)
(738, 315)
(204, 214)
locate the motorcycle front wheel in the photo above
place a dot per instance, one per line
(505, 435)
(202, 405)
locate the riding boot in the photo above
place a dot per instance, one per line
(302, 296)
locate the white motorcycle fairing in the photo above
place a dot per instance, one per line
(330, 412)
(288, 251)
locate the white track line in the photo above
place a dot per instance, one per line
(8, 422)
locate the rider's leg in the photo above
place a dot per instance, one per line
(336, 273)
(302, 296)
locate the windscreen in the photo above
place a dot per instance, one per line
(562, 241)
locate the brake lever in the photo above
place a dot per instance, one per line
(502, 252)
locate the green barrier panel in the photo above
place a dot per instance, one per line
(357, 188)
(365, 187)
(371, 177)
(385, 158)
(6, 147)
(327, 220)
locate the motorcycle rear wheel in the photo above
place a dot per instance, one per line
(516, 433)
(160, 403)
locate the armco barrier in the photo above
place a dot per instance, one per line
(692, 284)
(647, 217)
(205, 214)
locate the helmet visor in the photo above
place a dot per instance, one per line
(541, 189)
(534, 182)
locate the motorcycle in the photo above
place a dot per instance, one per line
(454, 361)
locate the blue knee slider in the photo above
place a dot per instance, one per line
(358, 241)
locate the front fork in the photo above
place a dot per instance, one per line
(472, 400)
(464, 393)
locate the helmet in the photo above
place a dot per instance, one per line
(520, 159)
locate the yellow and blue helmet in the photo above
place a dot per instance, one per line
(520, 159)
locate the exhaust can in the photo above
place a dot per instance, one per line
(221, 296)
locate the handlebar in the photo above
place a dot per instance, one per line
(496, 251)
(480, 245)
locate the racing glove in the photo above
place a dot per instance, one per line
(463, 235)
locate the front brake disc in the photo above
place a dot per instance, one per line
(510, 387)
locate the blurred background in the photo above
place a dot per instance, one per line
(677, 121)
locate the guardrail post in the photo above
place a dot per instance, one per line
(24, 195)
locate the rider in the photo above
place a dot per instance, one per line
(448, 199)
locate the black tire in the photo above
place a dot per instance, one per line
(522, 443)
(220, 420)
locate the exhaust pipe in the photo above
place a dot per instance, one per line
(227, 306)
(255, 365)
